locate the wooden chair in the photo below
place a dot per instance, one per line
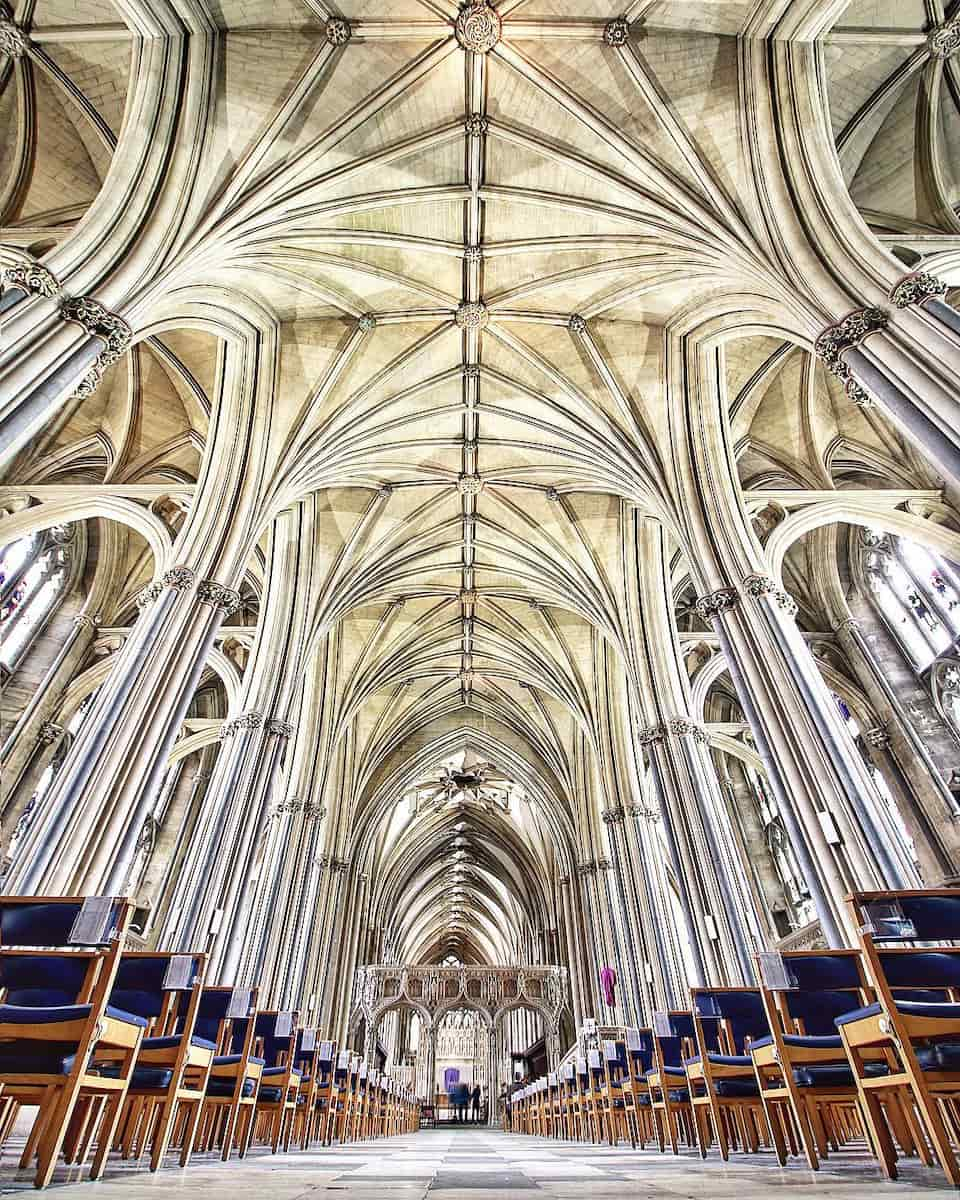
(914, 1023)
(170, 1075)
(667, 1079)
(56, 1016)
(275, 1040)
(723, 1084)
(806, 1085)
(336, 1113)
(227, 1017)
(613, 1090)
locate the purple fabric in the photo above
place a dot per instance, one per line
(608, 981)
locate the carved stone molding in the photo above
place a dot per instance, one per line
(471, 372)
(150, 593)
(217, 595)
(472, 315)
(245, 723)
(848, 332)
(759, 586)
(49, 732)
(85, 621)
(613, 816)
(180, 578)
(944, 41)
(473, 254)
(836, 339)
(282, 728)
(476, 126)
(337, 31)
(478, 27)
(847, 625)
(577, 324)
(617, 32)
(552, 495)
(684, 727)
(713, 604)
(469, 485)
(13, 40)
(367, 322)
(917, 287)
(650, 734)
(32, 278)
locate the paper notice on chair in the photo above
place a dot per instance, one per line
(662, 1025)
(593, 1058)
(308, 1040)
(178, 976)
(284, 1026)
(775, 973)
(610, 1051)
(239, 1003)
(633, 1039)
(887, 922)
(343, 1060)
(325, 1052)
(93, 923)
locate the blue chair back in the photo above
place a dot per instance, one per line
(824, 972)
(138, 986)
(740, 1012)
(643, 1055)
(919, 969)
(46, 923)
(935, 917)
(818, 1010)
(43, 980)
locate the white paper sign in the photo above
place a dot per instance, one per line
(178, 976)
(91, 927)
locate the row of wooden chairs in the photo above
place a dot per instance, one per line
(832, 1046)
(130, 1052)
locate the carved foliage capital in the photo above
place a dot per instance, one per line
(218, 596)
(616, 32)
(917, 287)
(759, 586)
(684, 727)
(245, 723)
(49, 732)
(650, 734)
(30, 277)
(180, 578)
(613, 816)
(713, 604)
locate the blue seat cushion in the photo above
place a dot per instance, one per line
(144, 1078)
(733, 1088)
(825, 1041)
(833, 1074)
(36, 1058)
(909, 1008)
(21, 1014)
(224, 1087)
(276, 1071)
(173, 1042)
(674, 1069)
(722, 1060)
(231, 1060)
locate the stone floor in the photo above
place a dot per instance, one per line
(488, 1165)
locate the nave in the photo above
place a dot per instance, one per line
(464, 1164)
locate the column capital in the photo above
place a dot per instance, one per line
(759, 586)
(245, 723)
(917, 287)
(944, 41)
(650, 733)
(101, 323)
(613, 816)
(586, 868)
(843, 335)
(650, 815)
(180, 578)
(684, 727)
(49, 732)
(281, 728)
(31, 277)
(711, 605)
(85, 621)
(217, 595)
(148, 594)
(847, 625)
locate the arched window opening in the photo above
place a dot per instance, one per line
(917, 594)
(34, 573)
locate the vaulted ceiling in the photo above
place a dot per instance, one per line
(471, 256)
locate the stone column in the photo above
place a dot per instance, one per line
(633, 935)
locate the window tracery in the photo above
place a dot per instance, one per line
(34, 573)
